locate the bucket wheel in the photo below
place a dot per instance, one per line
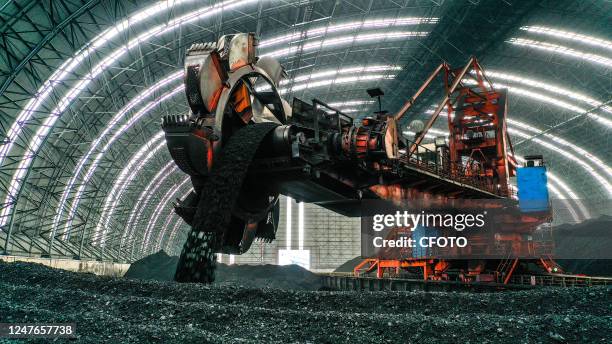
(235, 95)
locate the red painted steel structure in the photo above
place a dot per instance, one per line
(317, 154)
(479, 150)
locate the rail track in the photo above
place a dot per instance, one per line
(347, 281)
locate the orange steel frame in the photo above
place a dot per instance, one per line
(478, 112)
(431, 267)
(478, 108)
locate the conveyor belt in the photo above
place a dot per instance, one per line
(197, 262)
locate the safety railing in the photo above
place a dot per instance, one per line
(449, 170)
(560, 280)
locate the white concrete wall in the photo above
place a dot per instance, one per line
(95, 267)
(331, 238)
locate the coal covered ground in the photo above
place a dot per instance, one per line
(161, 267)
(122, 310)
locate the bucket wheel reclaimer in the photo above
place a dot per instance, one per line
(234, 105)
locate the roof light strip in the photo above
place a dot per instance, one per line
(335, 72)
(94, 165)
(603, 181)
(174, 232)
(145, 195)
(43, 131)
(598, 162)
(553, 188)
(70, 65)
(157, 212)
(569, 36)
(337, 81)
(160, 235)
(351, 103)
(330, 42)
(128, 173)
(546, 86)
(349, 26)
(343, 110)
(305, 78)
(563, 50)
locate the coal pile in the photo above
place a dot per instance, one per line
(591, 238)
(349, 265)
(161, 267)
(158, 266)
(120, 310)
(290, 277)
